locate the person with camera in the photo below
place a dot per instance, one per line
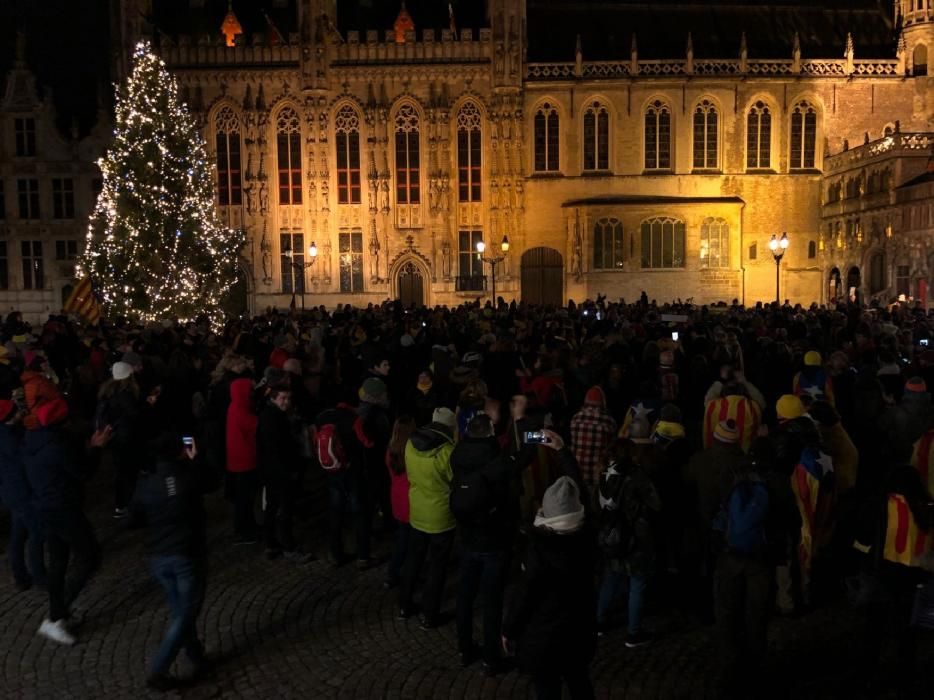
(168, 501)
(487, 518)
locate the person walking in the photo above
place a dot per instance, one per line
(168, 501)
(240, 456)
(427, 460)
(552, 625)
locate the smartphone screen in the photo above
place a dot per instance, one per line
(674, 335)
(535, 437)
(188, 441)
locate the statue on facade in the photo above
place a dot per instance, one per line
(250, 190)
(520, 194)
(384, 195)
(434, 194)
(446, 258)
(263, 196)
(266, 249)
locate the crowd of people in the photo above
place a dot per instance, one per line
(579, 468)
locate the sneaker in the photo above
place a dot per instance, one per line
(244, 540)
(56, 631)
(161, 682)
(296, 556)
(120, 513)
(637, 640)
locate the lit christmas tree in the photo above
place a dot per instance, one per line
(155, 249)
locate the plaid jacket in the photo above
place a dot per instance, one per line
(592, 430)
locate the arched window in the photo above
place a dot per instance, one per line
(715, 243)
(705, 137)
(919, 60)
(803, 136)
(607, 244)
(658, 136)
(227, 142)
(546, 138)
(347, 131)
(662, 243)
(407, 155)
(469, 149)
(812, 250)
(289, 151)
(759, 137)
(596, 137)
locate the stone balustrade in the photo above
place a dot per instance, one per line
(897, 143)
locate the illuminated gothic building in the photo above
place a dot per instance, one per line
(618, 146)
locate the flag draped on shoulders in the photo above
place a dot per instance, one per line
(741, 409)
(813, 468)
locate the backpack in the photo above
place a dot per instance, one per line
(616, 536)
(329, 437)
(743, 516)
(471, 497)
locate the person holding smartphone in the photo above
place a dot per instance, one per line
(168, 501)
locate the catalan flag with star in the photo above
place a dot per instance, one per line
(83, 302)
(813, 469)
(922, 459)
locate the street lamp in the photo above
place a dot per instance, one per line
(481, 248)
(778, 246)
(302, 266)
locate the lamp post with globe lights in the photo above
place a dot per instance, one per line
(494, 261)
(778, 246)
(300, 267)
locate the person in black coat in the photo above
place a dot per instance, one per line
(553, 623)
(168, 500)
(279, 459)
(486, 528)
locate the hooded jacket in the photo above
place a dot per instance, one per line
(428, 463)
(493, 532)
(241, 428)
(168, 501)
(37, 389)
(278, 453)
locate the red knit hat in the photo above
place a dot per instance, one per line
(595, 397)
(52, 412)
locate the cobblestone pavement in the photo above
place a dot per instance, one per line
(286, 631)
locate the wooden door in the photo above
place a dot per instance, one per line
(411, 285)
(543, 277)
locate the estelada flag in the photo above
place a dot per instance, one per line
(818, 386)
(83, 302)
(905, 542)
(813, 505)
(743, 410)
(922, 459)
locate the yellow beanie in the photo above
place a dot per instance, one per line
(789, 406)
(812, 358)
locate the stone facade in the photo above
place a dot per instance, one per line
(394, 151)
(48, 185)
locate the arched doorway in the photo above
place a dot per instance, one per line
(835, 292)
(853, 281)
(543, 277)
(410, 285)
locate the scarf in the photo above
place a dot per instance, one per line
(562, 524)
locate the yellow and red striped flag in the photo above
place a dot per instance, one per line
(905, 542)
(922, 459)
(743, 410)
(83, 302)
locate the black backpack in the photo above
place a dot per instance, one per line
(616, 537)
(472, 500)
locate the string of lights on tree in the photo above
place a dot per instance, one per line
(155, 248)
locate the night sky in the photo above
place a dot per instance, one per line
(67, 48)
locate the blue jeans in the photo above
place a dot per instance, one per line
(347, 495)
(484, 573)
(26, 533)
(182, 579)
(612, 586)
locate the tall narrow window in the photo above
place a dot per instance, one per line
(919, 60)
(546, 138)
(596, 137)
(227, 141)
(469, 152)
(25, 131)
(715, 243)
(662, 243)
(407, 155)
(903, 280)
(289, 151)
(877, 273)
(705, 137)
(347, 129)
(803, 136)
(66, 250)
(292, 262)
(4, 266)
(759, 137)
(27, 190)
(658, 136)
(63, 198)
(812, 250)
(607, 244)
(33, 271)
(469, 263)
(351, 261)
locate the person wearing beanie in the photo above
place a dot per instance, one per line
(119, 406)
(58, 462)
(15, 494)
(592, 431)
(736, 406)
(551, 622)
(813, 383)
(37, 387)
(428, 461)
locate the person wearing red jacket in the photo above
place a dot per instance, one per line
(241, 459)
